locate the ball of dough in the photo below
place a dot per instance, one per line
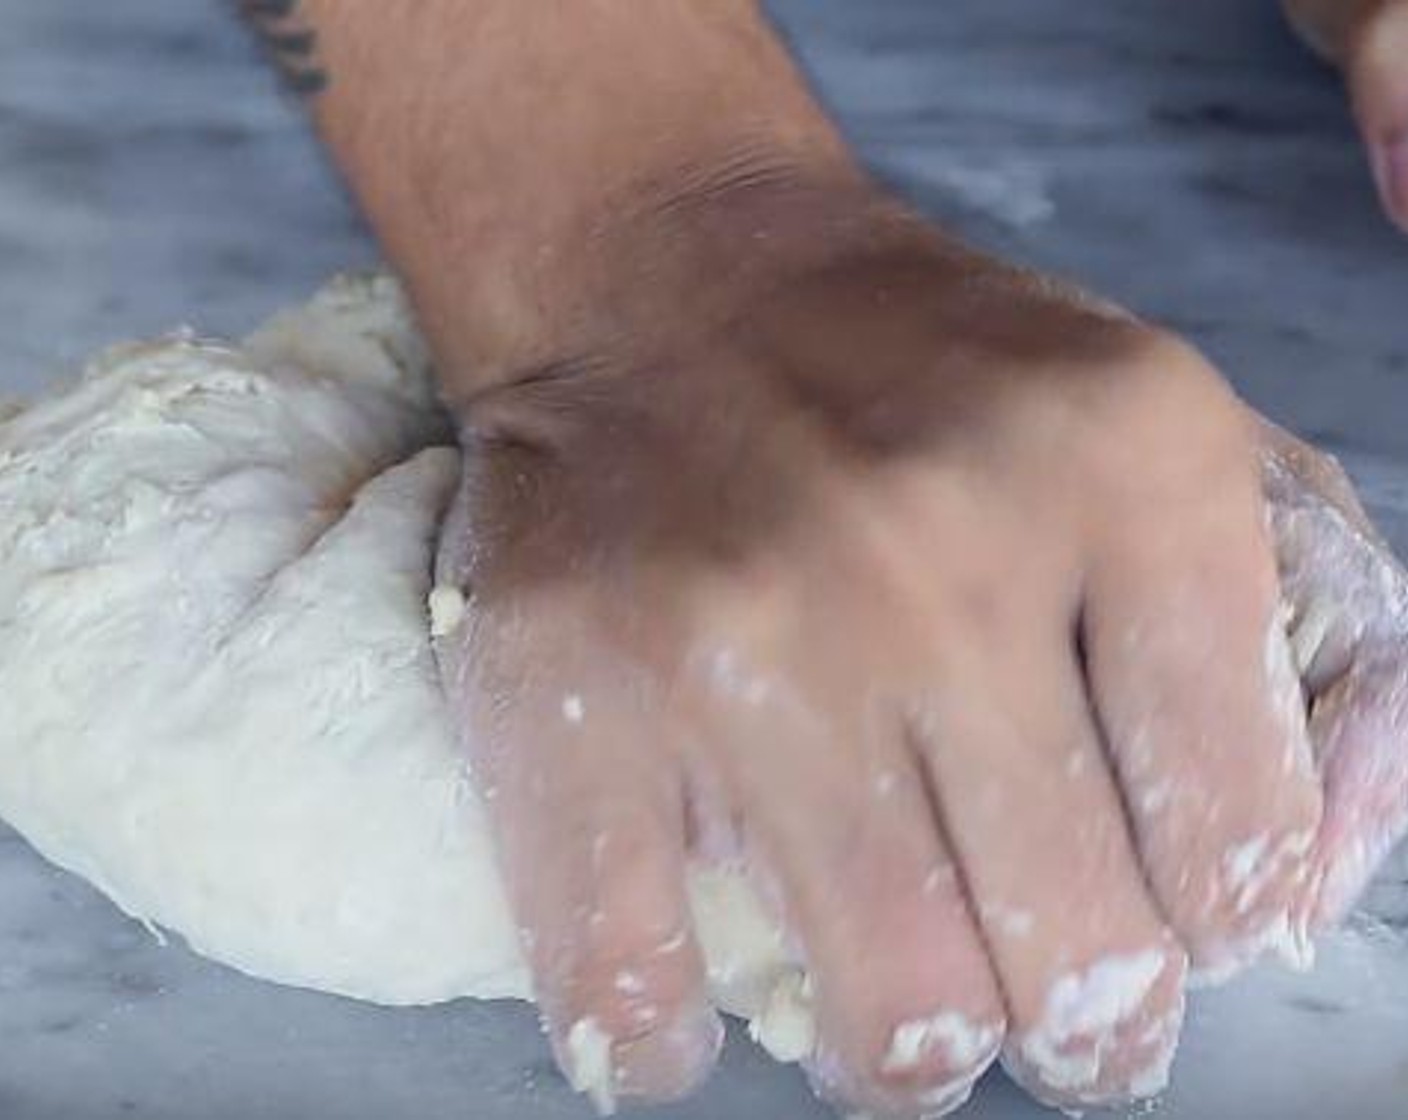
(214, 630)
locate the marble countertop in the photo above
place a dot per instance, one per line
(1186, 158)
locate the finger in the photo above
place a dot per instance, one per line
(1339, 578)
(587, 807)
(1191, 672)
(1361, 722)
(1349, 598)
(1092, 979)
(1378, 78)
(908, 1014)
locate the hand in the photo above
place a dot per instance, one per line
(943, 598)
(795, 533)
(1348, 597)
(1369, 40)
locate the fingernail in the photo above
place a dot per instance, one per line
(1390, 159)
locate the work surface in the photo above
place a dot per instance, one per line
(1184, 157)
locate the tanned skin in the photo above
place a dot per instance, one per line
(940, 596)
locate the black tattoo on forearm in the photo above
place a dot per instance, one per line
(291, 43)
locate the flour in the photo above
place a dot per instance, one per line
(447, 610)
(962, 1043)
(1086, 1014)
(588, 1064)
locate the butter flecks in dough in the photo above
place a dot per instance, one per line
(447, 608)
(214, 636)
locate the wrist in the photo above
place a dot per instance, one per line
(631, 266)
(664, 265)
(516, 160)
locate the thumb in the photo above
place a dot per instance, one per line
(1377, 69)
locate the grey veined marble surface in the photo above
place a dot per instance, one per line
(1183, 156)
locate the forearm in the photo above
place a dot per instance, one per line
(502, 149)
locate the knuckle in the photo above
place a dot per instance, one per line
(1175, 394)
(1168, 360)
(1162, 425)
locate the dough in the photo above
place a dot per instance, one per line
(221, 705)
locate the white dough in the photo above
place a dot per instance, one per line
(220, 702)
